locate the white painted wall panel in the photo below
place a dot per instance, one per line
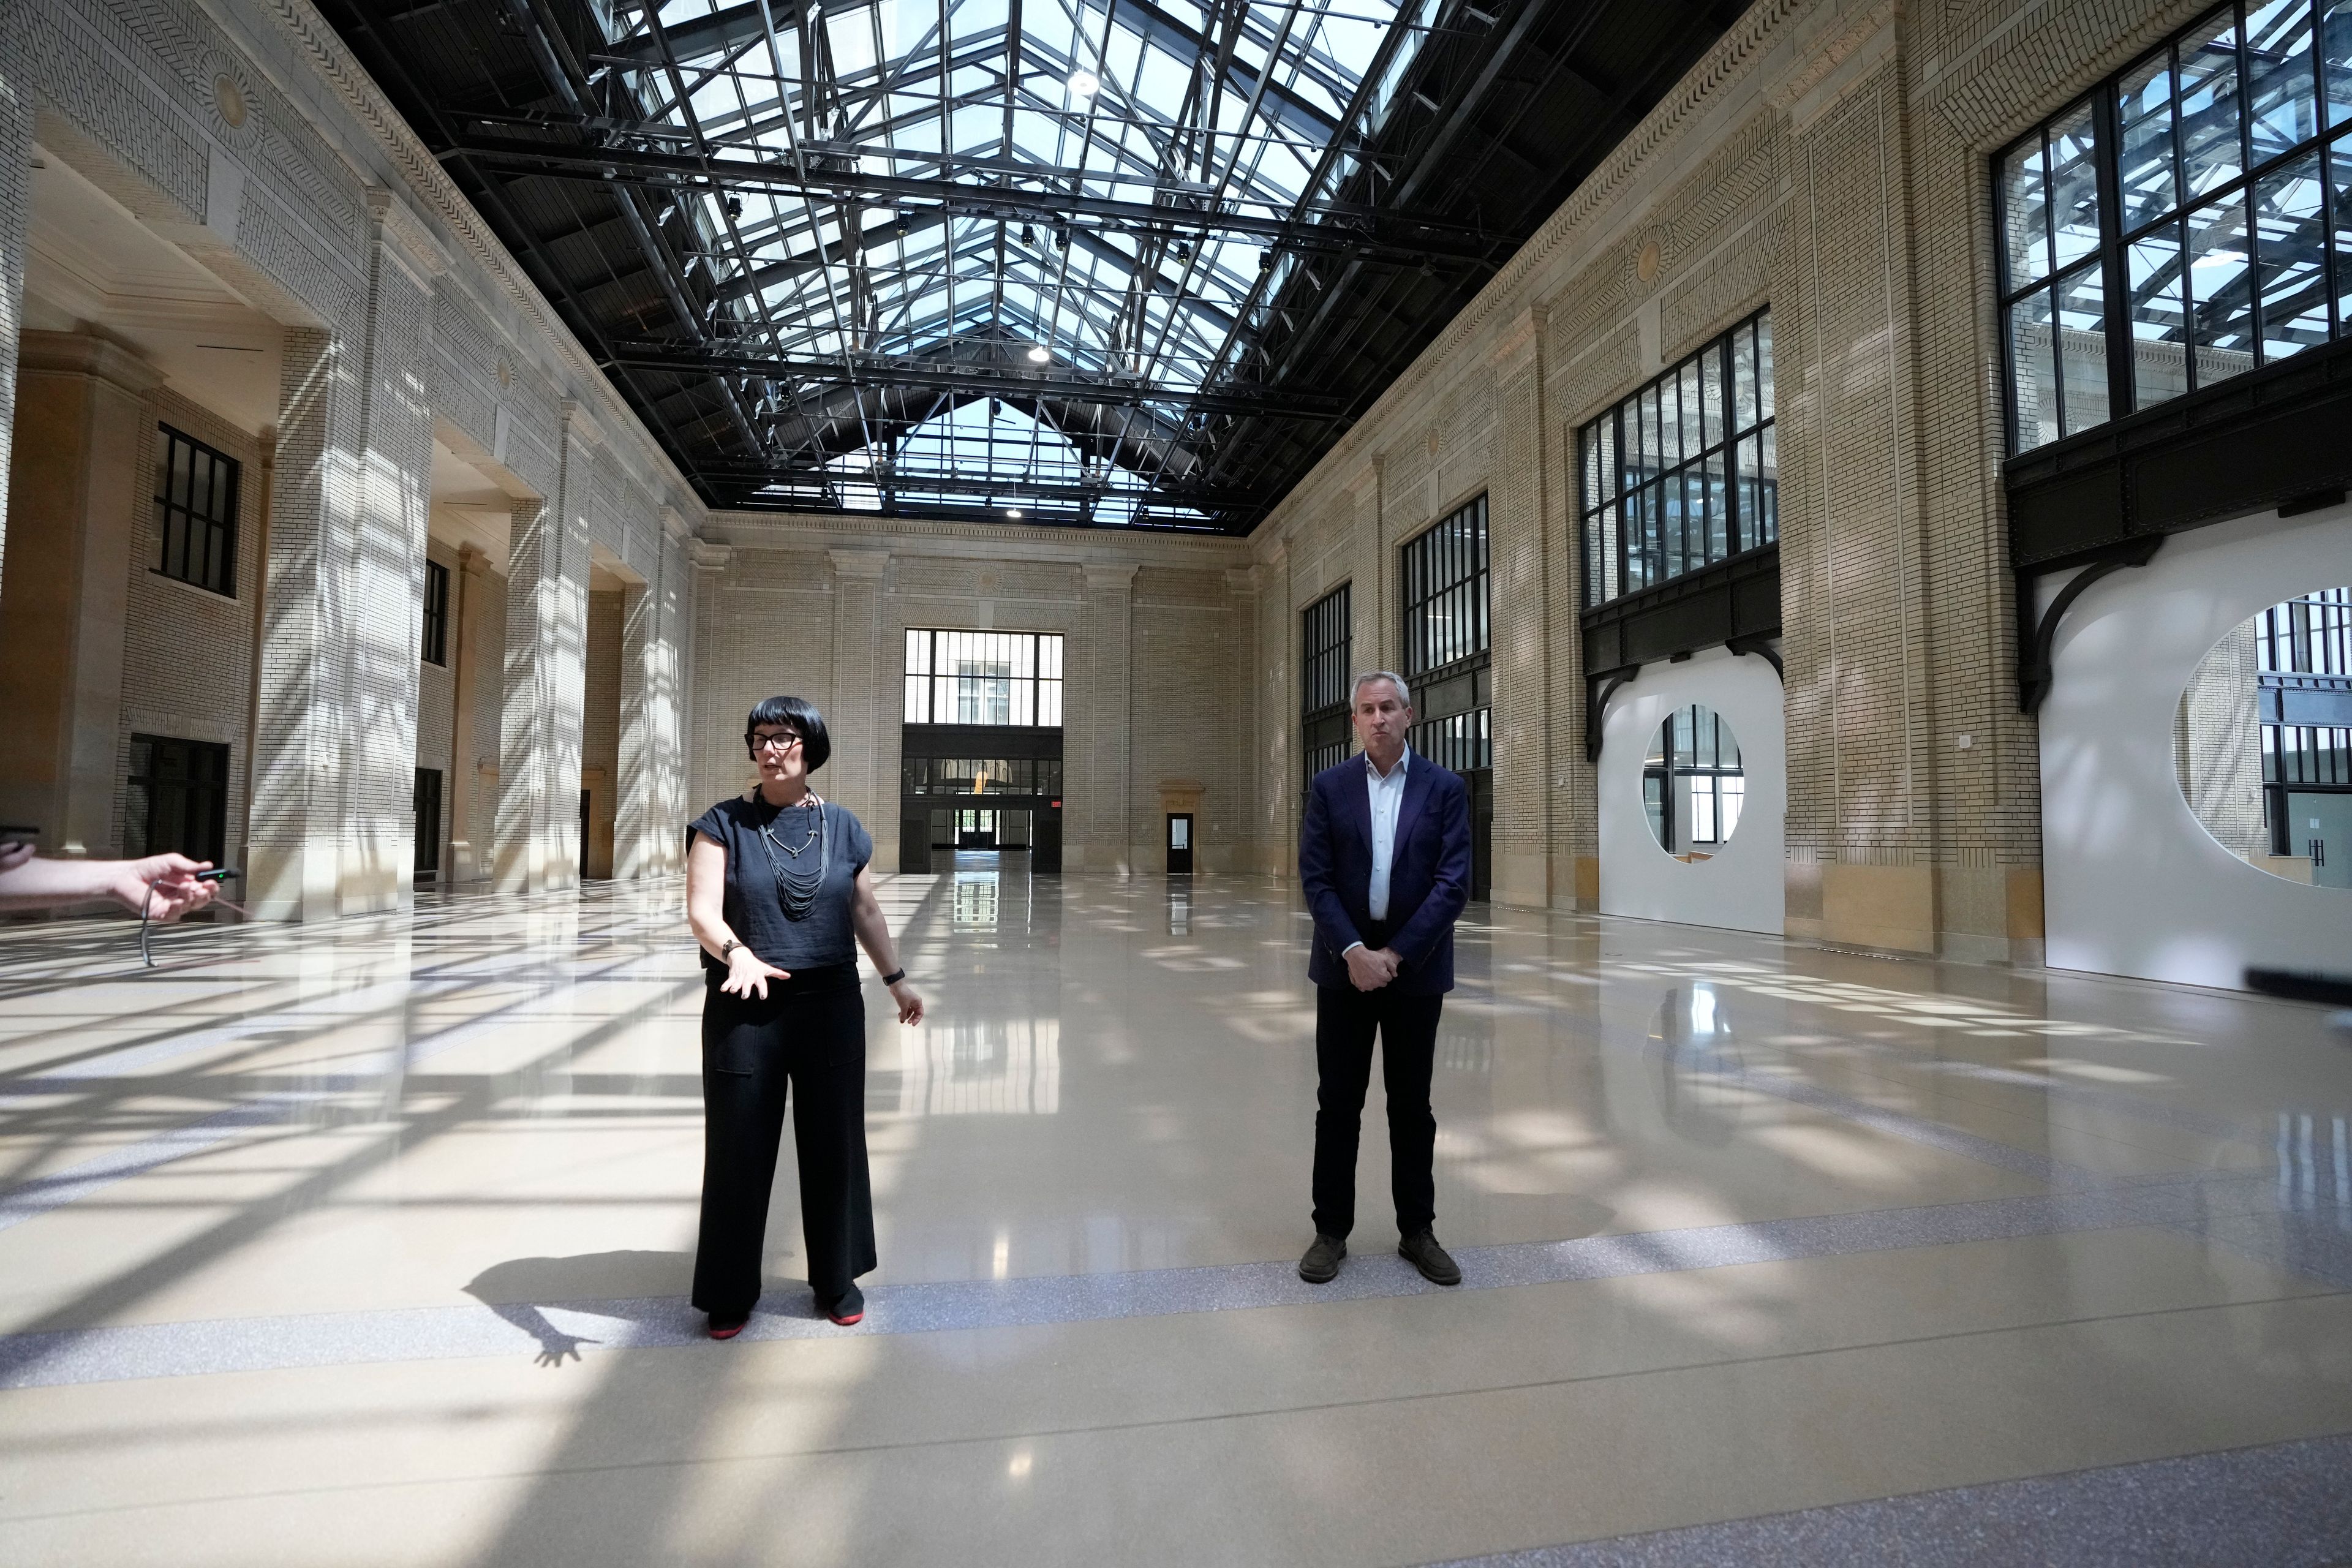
(2134, 884)
(1741, 886)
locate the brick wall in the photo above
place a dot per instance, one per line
(187, 655)
(1828, 160)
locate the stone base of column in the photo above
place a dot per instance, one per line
(291, 884)
(1522, 879)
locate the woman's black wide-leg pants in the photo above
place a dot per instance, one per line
(808, 1038)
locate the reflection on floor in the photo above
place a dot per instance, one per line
(368, 1242)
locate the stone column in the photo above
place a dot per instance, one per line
(388, 559)
(644, 680)
(80, 494)
(716, 766)
(295, 852)
(1100, 696)
(468, 860)
(1520, 540)
(1574, 837)
(1281, 762)
(15, 205)
(866, 729)
(673, 598)
(546, 675)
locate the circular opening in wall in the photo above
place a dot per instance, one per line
(1693, 786)
(2261, 744)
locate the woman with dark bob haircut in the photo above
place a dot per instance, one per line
(778, 892)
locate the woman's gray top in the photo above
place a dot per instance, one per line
(754, 908)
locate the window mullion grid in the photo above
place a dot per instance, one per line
(2115, 275)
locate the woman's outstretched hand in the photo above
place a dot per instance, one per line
(910, 1002)
(748, 974)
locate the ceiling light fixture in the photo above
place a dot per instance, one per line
(1084, 83)
(1012, 511)
(1039, 353)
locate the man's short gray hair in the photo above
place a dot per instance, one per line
(1404, 692)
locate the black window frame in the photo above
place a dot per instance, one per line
(195, 546)
(2304, 656)
(1044, 690)
(1451, 561)
(1612, 513)
(1448, 561)
(1703, 761)
(1327, 652)
(172, 781)
(434, 641)
(2109, 261)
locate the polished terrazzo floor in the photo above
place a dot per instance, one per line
(367, 1243)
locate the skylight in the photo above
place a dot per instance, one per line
(893, 347)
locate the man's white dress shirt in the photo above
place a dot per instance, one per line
(1387, 796)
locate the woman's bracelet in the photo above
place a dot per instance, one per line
(894, 976)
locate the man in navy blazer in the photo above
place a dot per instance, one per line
(1384, 860)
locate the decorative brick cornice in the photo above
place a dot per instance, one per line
(808, 531)
(710, 557)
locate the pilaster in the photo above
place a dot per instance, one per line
(1861, 835)
(388, 559)
(865, 727)
(304, 728)
(15, 206)
(1519, 535)
(1097, 669)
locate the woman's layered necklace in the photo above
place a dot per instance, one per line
(796, 887)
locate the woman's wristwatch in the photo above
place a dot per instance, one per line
(894, 976)
(727, 950)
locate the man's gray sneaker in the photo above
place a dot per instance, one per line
(1421, 1250)
(1321, 1264)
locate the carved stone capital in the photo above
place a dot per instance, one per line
(85, 353)
(865, 566)
(708, 556)
(580, 426)
(406, 235)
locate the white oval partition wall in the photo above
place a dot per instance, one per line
(2134, 883)
(1737, 880)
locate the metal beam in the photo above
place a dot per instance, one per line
(1008, 382)
(1394, 236)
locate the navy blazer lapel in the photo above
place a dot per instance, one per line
(1355, 803)
(1418, 782)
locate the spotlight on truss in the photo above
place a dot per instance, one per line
(1084, 84)
(1039, 353)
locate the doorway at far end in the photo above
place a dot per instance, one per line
(1179, 843)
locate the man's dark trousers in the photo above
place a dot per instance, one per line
(1345, 1022)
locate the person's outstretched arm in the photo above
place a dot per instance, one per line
(705, 910)
(873, 936)
(40, 884)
